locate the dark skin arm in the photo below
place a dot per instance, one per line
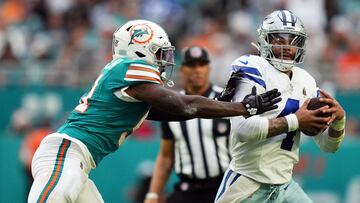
(185, 106)
(157, 114)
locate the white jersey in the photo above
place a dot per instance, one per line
(270, 160)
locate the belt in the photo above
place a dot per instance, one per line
(198, 184)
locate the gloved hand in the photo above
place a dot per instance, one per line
(258, 104)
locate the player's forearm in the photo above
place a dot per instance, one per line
(277, 126)
(188, 107)
(197, 106)
(184, 105)
(328, 143)
(161, 174)
(330, 140)
(156, 114)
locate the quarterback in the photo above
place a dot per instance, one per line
(117, 103)
(265, 147)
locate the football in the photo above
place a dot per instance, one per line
(314, 104)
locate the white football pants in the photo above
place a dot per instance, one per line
(236, 188)
(60, 173)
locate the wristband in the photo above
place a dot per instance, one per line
(151, 195)
(338, 125)
(293, 122)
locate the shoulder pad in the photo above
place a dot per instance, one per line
(251, 66)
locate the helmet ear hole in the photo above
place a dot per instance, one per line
(158, 54)
(139, 54)
(127, 29)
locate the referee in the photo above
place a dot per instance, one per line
(198, 148)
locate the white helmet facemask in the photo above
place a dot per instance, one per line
(165, 59)
(282, 40)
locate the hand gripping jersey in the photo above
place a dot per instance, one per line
(106, 115)
(270, 160)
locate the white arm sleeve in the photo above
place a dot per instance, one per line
(252, 128)
(327, 143)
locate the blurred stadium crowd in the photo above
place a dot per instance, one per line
(66, 42)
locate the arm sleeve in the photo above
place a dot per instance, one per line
(250, 129)
(327, 143)
(166, 131)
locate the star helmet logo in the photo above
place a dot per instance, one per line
(140, 34)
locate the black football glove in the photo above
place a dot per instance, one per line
(228, 92)
(258, 104)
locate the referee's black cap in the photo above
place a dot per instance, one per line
(195, 55)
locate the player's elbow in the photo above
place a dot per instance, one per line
(188, 108)
(243, 135)
(251, 129)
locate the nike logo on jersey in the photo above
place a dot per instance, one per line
(244, 62)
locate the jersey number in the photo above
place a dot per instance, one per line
(291, 106)
(84, 104)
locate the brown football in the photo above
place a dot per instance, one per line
(313, 105)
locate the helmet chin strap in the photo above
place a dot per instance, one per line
(167, 81)
(163, 76)
(283, 67)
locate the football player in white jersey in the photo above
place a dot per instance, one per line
(265, 148)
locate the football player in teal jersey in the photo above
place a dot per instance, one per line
(120, 99)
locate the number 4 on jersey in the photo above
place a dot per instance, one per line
(291, 106)
(84, 104)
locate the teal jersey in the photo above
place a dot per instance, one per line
(106, 114)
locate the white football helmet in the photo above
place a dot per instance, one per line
(144, 40)
(280, 32)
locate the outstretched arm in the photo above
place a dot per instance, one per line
(156, 114)
(192, 106)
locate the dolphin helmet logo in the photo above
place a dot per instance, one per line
(140, 34)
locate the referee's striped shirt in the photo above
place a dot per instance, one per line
(201, 145)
